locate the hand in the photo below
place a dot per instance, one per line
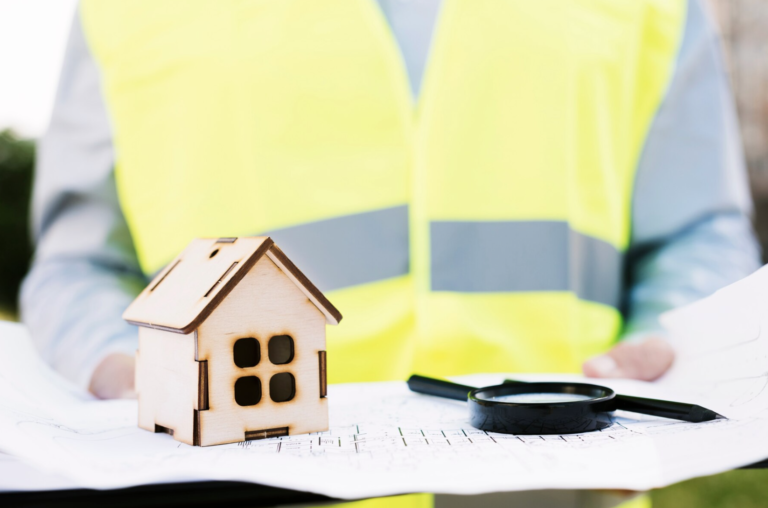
(646, 360)
(114, 377)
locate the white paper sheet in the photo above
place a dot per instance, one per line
(385, 440)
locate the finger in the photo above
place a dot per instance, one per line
(646, 361)
(113, 378)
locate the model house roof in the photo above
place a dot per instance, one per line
(186, 291)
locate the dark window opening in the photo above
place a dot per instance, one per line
(282, 387)
(164, 430)
(214, 253)
(246, 352)
(280, 349)
(248, 391)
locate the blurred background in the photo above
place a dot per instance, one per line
(32, 39)
(33, 35)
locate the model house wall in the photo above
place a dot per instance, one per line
(252, 312)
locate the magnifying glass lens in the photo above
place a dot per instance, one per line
(538, 398)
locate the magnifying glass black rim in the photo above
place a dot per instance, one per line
(597, 394)
(570, 417)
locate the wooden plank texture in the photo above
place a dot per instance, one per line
(332, 315)
(264, 304)
(201, 277)
(167, 382)
(184, 294)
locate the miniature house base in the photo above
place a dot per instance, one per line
(253, 365)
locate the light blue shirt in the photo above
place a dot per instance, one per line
(690, 216)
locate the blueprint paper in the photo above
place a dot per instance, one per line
(386, 440)
(16, 476)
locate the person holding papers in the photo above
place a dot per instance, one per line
(479, 186)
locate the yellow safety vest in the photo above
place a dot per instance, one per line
(481, 229)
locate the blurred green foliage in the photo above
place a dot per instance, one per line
(742, 489)
(17, 160)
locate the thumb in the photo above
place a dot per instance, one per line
(646, 360)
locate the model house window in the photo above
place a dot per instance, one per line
(280, 349)
(246, 352)
(248, 391)
(282, 386)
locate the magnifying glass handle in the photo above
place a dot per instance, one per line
(439, 387)
(666, 408)
(656, 407)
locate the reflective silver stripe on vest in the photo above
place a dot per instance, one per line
(349, 250)
(523, 256)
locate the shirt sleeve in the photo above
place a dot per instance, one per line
(85, 271)
(692, 231)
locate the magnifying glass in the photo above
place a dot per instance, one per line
(516, 407)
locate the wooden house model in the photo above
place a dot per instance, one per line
(231, 345)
